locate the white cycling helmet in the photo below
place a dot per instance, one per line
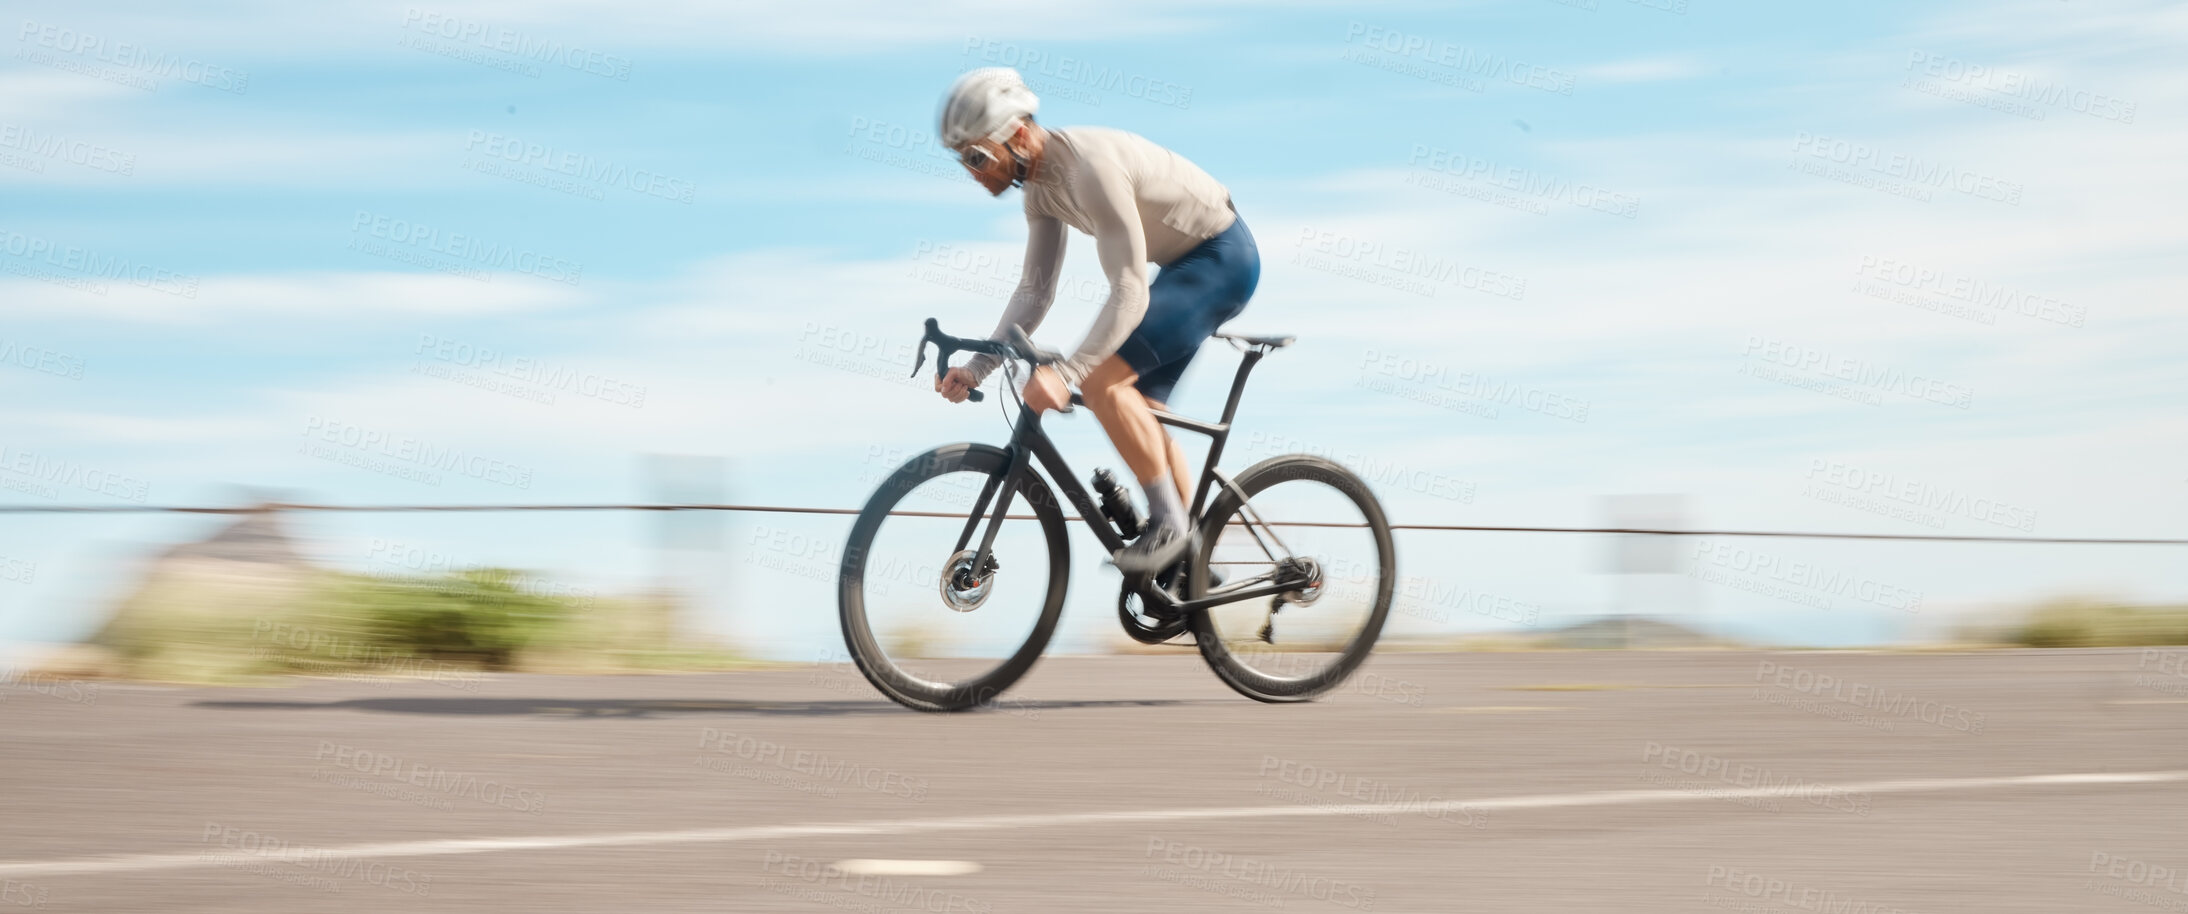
(986, 103)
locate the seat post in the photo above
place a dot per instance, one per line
(1238, 384)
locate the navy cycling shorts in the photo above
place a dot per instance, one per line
(1189, 299)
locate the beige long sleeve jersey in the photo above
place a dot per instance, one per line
(1141, 203)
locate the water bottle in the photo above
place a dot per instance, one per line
(1117, 504)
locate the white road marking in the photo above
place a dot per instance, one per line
(451, 846)
(907, 867)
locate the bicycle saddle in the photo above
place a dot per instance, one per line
(1273, 342)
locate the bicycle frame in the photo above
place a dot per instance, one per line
(1028, 443)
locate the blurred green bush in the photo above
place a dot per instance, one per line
(201, 626)
(2082, 622)
(477, 617)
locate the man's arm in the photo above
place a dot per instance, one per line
(1122, 245)
(1036, 287)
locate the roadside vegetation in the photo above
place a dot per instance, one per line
(332, 623)
(2085, 622)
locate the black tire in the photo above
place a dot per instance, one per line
(902, 686)
(1222, 657)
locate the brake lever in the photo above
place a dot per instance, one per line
(1035, 357)
(943, 351)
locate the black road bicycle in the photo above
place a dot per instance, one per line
(948, 597)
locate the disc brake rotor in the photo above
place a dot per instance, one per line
(963, 590)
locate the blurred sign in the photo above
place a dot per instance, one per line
(688, 479)
(1645, 553)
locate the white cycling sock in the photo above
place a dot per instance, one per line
(1163, 507)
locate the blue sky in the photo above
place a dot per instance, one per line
(1863, 266)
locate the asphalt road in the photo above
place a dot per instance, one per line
(1587, 781)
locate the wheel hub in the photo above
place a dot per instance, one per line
(1312, 571)
(962, 589)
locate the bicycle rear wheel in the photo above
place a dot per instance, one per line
(1322, 632)
(925, 627)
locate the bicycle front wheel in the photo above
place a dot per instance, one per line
(926, 626)
(1312, 514)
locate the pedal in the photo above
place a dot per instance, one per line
(1268, 627)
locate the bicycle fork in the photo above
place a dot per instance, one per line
(983, 561)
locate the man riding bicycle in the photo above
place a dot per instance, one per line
(1143, 204)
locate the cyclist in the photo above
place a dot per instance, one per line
(1142, 203)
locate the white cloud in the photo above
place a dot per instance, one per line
(1644, 70)
(33, 93)
(167, 297)
(260, 28)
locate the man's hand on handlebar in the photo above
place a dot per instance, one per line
(1045, 391)
(956, 385)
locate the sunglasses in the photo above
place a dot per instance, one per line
(977, 158)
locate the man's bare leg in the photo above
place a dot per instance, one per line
(1156, 462)
(1125, 415)
(1177, 458)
